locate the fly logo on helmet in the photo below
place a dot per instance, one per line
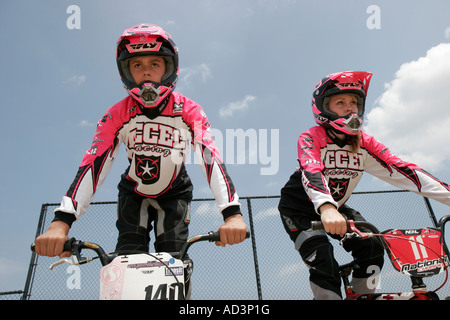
(350, 82)
(148, 39)
(145, 46)
(349, 85)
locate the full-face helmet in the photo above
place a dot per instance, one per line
(147, 39)
(351, 82)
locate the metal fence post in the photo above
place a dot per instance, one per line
(255, 256)
(34, 256)
(430, 211)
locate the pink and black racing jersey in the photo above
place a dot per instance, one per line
(156, 148)
(330, 171)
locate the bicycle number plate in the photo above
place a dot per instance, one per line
(142, 277)
(416, 252)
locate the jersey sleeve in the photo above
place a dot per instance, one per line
(388, 167)
(96, 164)
(211, 163)
(311, 167)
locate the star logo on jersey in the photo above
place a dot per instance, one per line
(148, 168)
(338, 188)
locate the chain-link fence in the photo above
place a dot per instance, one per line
(264, 267)
(12, 295)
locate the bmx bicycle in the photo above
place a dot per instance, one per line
(139, 276)
(418, 253)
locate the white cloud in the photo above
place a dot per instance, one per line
(76, 80)
(190, 74)
(268, 213)
(291, 269)
(207, 208)
(412, 116)
(447, 33)
(86, 123)
(240, 105)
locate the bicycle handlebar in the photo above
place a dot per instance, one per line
(352, 226)
(211, 236)
(75, 246)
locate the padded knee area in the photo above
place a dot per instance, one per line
(317, 253)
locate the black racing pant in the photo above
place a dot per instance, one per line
(136, 214)
(297, 212)
(170, 218)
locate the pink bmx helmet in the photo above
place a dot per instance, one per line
(351, 82)
(147, 39)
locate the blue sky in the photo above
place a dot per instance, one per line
(251, 64)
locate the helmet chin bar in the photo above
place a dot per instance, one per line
(149, 94)
(353, 123)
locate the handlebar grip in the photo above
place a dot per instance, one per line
(215, 235)
(317, 225)
(68, 245)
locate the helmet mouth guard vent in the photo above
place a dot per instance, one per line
(149, 94)
(353, 123)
